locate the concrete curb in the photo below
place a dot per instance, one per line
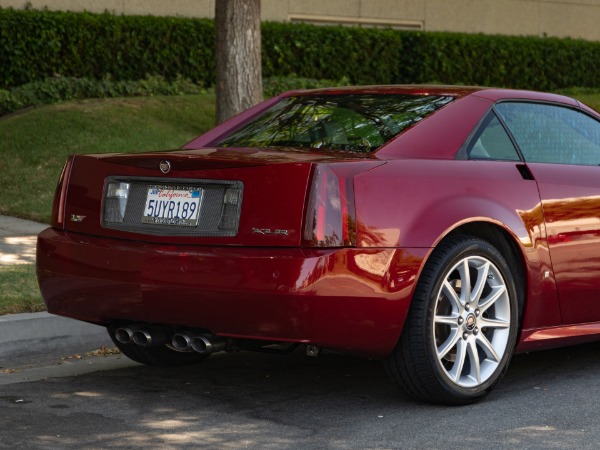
(36, 337)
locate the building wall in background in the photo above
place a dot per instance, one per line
(560, 18)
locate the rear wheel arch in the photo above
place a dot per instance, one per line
(407, 365)
(478, 243)
(507, 245)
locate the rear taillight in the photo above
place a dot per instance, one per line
(115, 201)
(60, 195)
(330, 220)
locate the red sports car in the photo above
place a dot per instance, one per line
(437, 228)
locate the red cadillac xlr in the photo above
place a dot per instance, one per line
(440, 229)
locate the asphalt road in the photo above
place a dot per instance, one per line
(547, 400)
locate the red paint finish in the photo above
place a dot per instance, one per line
(443, 196)
(347, 299)
(276, 202)
(547, 338)
(572, 210)
(352, 291)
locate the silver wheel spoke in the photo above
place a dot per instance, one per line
(465, 281)
(497, 292)
(493, 323)
(480, 283)
(459, 363)
(450, 342)
(446, 320)
(487, 347)
(451, 295)
(473, 355)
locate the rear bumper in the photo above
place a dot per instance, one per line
(352, 300)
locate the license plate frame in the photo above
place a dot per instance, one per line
(172, 205)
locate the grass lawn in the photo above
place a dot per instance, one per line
(589, 96)
(19, 290)
(34, 144)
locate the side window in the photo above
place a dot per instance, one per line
(552, 134)
(492, 142)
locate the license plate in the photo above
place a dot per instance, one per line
(172, 205)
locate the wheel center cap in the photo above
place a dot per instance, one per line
(470, 322)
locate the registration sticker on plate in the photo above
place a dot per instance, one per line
(172, 205)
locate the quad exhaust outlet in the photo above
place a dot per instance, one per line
(200, 343)
(186, 341)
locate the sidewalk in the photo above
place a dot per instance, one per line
(17, 240)
(28, 338)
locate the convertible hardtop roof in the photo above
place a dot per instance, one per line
(457, 92)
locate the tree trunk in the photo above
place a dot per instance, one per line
(239, 71)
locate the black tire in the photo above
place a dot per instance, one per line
(162, 356)
(454, 351)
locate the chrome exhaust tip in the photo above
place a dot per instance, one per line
(201, 343)
(150, 337)
(182, 342)
(124, 335)
(206, 345)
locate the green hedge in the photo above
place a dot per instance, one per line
(55, 90)
(373, 56)
(35, 45)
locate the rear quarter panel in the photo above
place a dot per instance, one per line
(416, 203)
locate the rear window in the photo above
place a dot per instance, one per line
(358, 123)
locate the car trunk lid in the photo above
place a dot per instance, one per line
(238, 196)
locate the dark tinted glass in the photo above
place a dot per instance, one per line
(358, 123)
(492, 142)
